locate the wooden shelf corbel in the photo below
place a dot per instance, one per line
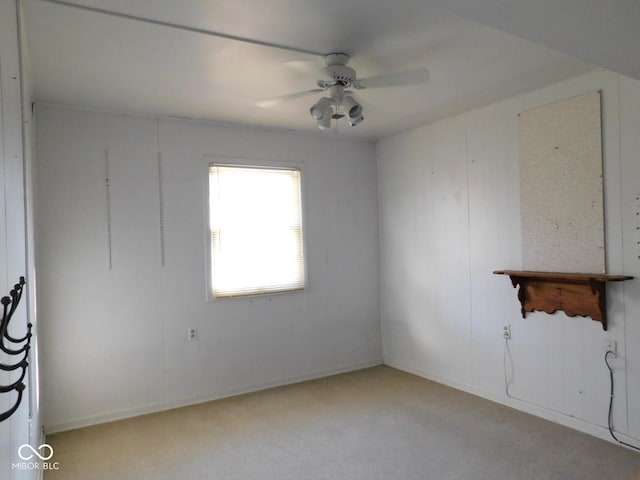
(576, 294)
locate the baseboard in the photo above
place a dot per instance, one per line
(583, 426)
(161, 406)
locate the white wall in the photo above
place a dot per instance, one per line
(15, 252)
(450, 216)
(115, 341)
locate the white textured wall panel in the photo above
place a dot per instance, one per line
(561, 199)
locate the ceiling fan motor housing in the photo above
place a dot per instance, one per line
(341, 75)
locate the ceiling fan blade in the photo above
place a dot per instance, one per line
(399, 79)
(271, 102)
(187, 28)
(311, 68)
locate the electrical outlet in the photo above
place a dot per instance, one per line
(611, 346)
(506, 332)
(192, 334)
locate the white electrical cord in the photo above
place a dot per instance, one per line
(508, 381)
(610, 417)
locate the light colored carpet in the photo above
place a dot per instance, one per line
(374, 424)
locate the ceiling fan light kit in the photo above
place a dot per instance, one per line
(325, 122)
(336, 106)
(320, 108)
(354, 122)
(351, 107)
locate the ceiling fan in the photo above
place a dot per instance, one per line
(337, 78)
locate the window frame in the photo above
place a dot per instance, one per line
(253, 163)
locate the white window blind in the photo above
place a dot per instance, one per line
(256, 230)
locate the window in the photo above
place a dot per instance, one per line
(256, 230)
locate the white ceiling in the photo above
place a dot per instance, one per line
(88, 59)
(605, 33)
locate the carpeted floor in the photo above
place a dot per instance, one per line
(374, 424)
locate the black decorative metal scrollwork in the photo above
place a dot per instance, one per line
(14, 346)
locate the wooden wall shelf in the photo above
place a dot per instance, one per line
(582, 294)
